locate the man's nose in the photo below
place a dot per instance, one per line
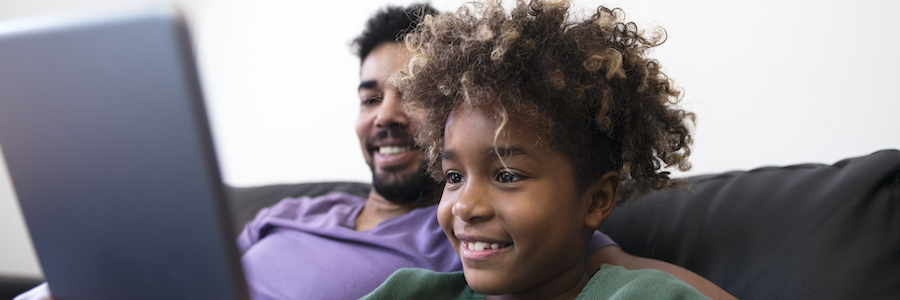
(391, 113)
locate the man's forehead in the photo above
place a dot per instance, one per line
(383, 62)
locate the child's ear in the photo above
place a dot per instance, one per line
(603, 194)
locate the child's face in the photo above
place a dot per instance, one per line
(517, 225)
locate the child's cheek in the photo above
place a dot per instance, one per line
(445, 215)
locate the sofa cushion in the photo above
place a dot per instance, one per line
(798, 232)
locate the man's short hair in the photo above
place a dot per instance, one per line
(390, 24)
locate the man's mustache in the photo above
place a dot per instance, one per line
(387, 134)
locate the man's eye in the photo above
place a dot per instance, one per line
(371, 100)
(507, 176)
(453, 177)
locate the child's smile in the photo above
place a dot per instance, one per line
(477, 248)
(510, 207)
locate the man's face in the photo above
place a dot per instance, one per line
(385, 130)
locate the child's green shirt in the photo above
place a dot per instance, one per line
(610, 282)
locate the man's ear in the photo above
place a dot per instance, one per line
(602, 195)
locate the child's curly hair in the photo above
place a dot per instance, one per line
(587, 83)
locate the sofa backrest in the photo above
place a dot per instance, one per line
(797, 232)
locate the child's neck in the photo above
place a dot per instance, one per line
(566, 286)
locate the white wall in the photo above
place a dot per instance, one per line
(772, 83)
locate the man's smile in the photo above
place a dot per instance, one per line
(391, 148)
(390, 157)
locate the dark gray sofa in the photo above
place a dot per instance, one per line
(797, 232)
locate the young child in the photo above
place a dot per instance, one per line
(534, 122)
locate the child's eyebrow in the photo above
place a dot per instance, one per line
(448, 155)
(507, 151)
(499, 151)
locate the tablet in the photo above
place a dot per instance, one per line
(105, 135)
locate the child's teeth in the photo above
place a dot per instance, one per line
(480, 246)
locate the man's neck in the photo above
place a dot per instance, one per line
(378, 209)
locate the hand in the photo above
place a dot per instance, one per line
(41, 292)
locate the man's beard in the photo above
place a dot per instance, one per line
(409, 188)
(400, 188)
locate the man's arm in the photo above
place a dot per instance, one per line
(613, 255)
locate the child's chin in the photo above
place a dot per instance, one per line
(488, 283)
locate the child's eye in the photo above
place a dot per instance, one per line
(507, 176)
(453, 177)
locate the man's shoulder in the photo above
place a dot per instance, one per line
(305, 212)
(304, 208)
(322, 201)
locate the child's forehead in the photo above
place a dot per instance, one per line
(465, 109)
(506, 130)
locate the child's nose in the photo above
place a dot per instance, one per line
(473, 205)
